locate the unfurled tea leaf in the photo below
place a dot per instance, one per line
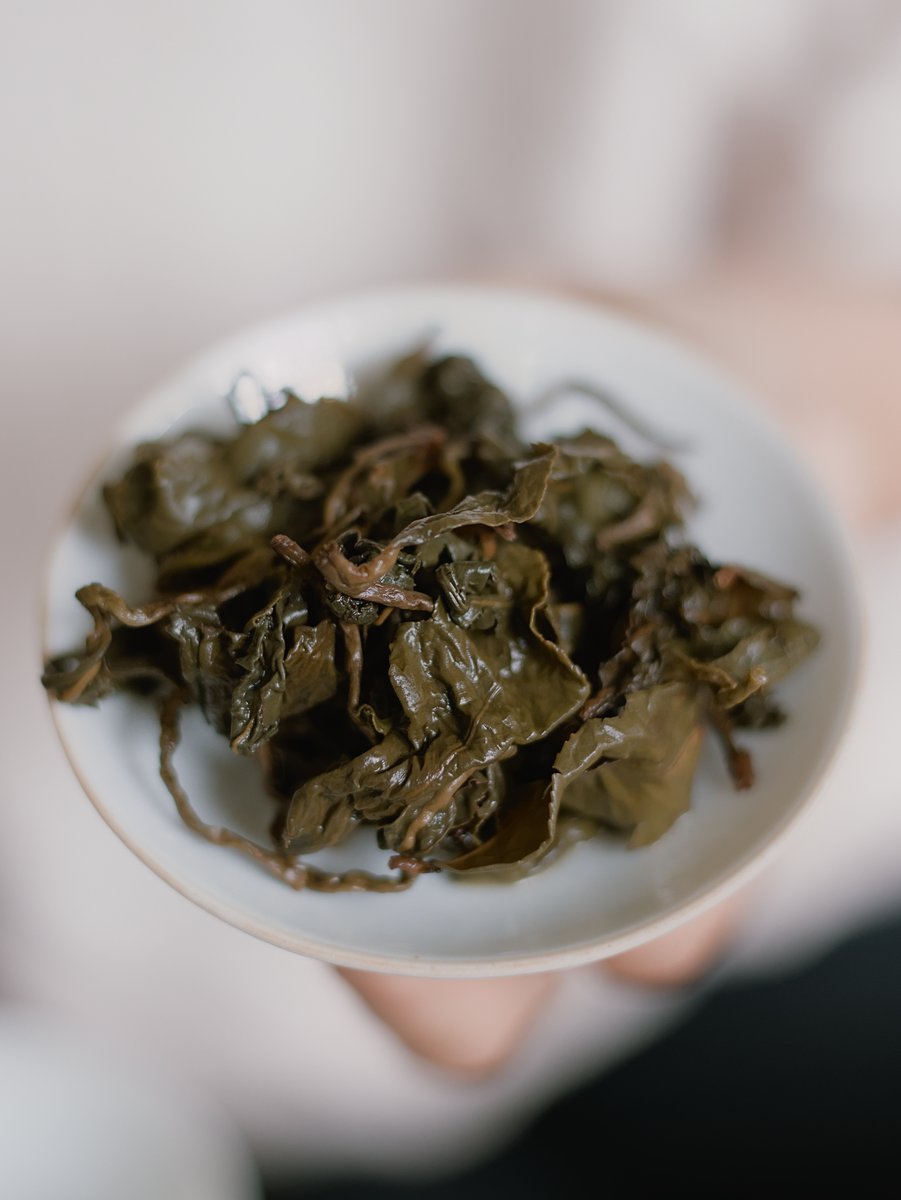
(419, 624)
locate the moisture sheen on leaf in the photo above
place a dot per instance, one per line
(601, 499)
(634, 772)
(417, 624)
(469, 698)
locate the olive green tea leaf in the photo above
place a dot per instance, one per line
(418, 625)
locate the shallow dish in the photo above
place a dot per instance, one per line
(757, 506)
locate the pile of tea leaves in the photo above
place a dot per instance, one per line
(415, 621)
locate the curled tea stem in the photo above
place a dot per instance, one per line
(283, 866)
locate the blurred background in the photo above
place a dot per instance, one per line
(730, 171)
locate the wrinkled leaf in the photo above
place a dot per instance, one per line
(417, 623)
(598, 499)
(634, 772)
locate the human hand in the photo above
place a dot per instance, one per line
(830, 374)
(475, 1025)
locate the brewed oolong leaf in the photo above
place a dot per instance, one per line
(507, 683)
(328, 817)
(457, 396)
(474, 592)
(385, 475)
(477, 801)
(525, 831)
(195, 501)
(206, 663)
(758, 661)
(452, 393)
(599, 499)
(491, 509)
(311, 675)
(123, 650)
(427, 807)
(494, 693)
(418, 624)
(184, 492)
(302, 436)
(470, 697)
(286, 667)
(367, 783)
(634, 772)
